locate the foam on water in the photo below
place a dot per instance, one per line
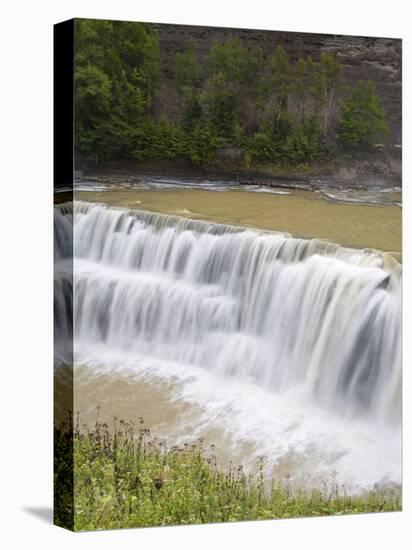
(294, 435)
(289, 344)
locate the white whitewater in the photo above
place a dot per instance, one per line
(301, 321)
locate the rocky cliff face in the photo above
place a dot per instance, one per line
(377, 59)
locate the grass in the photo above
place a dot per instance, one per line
(127, 477)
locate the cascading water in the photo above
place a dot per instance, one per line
(280, 314)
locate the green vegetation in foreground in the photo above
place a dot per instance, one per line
(231, 104)
(130, 479)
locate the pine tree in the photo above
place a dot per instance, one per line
(363, 120)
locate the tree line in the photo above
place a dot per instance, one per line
(267, 108)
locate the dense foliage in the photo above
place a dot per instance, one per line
(363, 121)
(128, 478)
(116, 74)
(266, 108)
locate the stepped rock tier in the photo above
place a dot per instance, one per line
(254, 306)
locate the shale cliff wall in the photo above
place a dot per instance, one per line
(377, 59)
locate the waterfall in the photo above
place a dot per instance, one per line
(255, 306)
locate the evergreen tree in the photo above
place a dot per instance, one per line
(362, 120)
(116, 73)
(303, 142)
(203, 143)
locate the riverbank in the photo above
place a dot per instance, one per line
(126, 477)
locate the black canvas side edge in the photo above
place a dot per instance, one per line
(63, 65)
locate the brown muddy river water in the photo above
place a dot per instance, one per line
(193, 372)
(300, 213)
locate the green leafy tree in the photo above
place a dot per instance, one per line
(186, 68)
(328, 80)
(93, 100)
(280, 132)
(238, 63)
(221, 106)
(116, 73)
(190, 107)
(362, 120)
(137, 47)
(187, 78)
(238, 69)
(280, 80)
(304, 84)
